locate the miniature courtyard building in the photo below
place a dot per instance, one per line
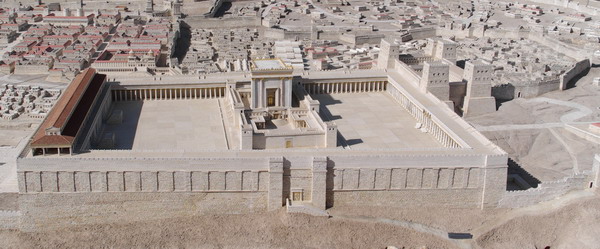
(271, 138)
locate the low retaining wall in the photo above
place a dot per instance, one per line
(579, 68)
(546, 191)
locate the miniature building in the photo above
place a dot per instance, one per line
(388, 54)
(273, 139)
(479, 89)
(435, 80)
(58, 133)
(271, 84)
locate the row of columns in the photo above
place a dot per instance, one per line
(168, 93)
(424, 117)
(51, 150)
(117, 69)
(345, 87)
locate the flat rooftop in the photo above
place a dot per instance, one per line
(373, 120)
(269, 64)
(194, 124)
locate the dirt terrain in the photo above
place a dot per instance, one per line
(565, 223)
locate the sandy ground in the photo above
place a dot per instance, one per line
(570, 222)
(272, 230)
(532, 130)
(574, 225)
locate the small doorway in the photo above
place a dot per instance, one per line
(271, 97)
(297, 196)
(289, 143)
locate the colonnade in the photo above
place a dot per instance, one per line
(168, 93)
(116, 69)
(424, 117)
(345, 87)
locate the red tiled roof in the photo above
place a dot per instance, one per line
(70, 110)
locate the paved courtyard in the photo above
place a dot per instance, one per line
(373, 120)
(189, 125)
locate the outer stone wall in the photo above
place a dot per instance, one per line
(142, 181)
(456, 187)
(66, 191)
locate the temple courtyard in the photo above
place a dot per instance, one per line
(372, 120)
(169, 125)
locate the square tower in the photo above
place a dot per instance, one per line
(445, 49)
(435, 79)
(388, 53)
(478, 100)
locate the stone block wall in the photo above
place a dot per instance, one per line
(142, 181)
(407, 178)
(471, 180)
(546, 191)
(452, 187)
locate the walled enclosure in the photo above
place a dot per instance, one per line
(466, 170)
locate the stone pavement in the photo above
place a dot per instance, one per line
(373, 120)
(170, 125)
(8, 167)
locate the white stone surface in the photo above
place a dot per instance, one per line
(374, 120)
(170, 125)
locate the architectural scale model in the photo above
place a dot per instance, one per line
(141, 110)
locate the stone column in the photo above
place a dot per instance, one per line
(275, 200)
(319, 181)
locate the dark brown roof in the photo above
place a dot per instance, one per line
(70, 110)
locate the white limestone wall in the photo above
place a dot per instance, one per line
(316, 140)
(407, 72)
(142, 181)
(141, 175)
(413, 187)
(458, 181)
(59, 191)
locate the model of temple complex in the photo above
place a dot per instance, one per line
(439, 119)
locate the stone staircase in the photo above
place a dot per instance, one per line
(231, 132)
